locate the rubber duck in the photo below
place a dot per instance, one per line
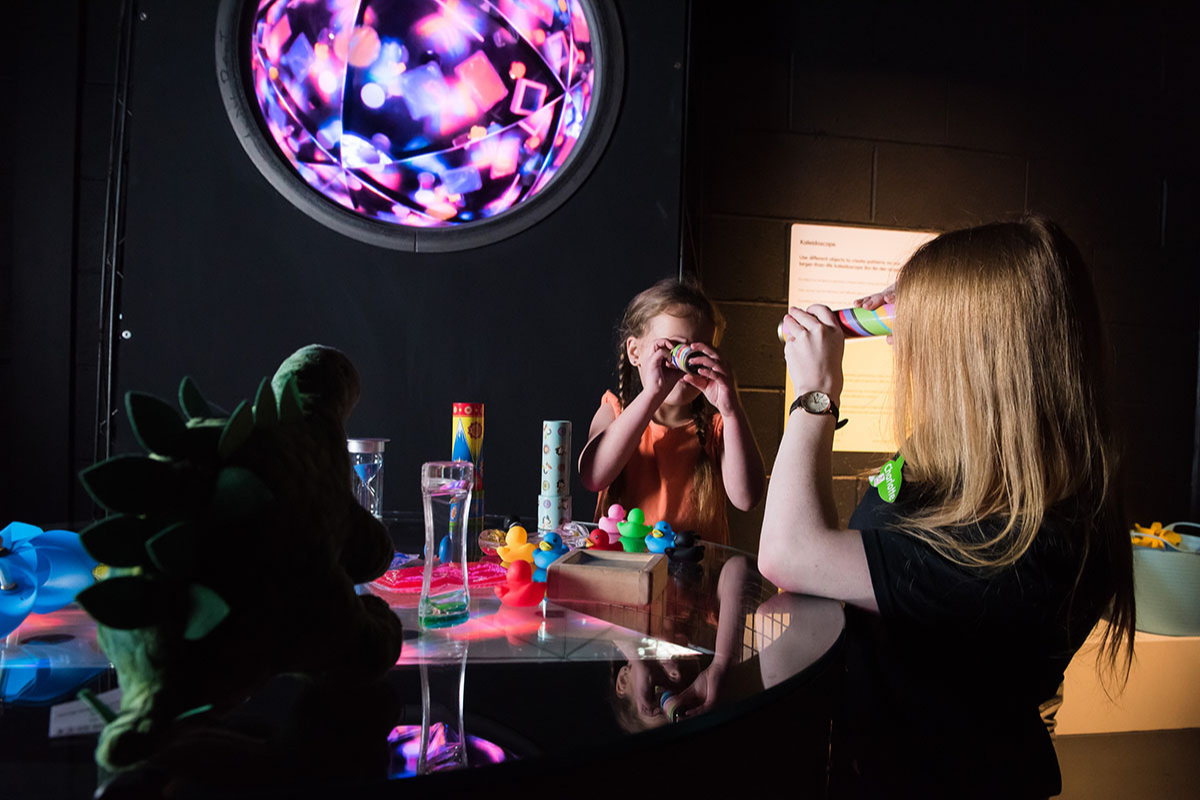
(548, 551)
(519, 588)
(516, 548)
(660, 537)
(685, 547)
(609, 522)
(598, 540)
(633, 532)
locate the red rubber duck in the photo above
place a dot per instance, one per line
(519, 588)
(598, 540)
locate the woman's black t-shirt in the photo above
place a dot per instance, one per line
(943, 685)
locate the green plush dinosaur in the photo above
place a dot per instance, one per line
(235, 546)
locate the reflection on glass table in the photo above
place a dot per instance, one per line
(551, 687)
(563, 671)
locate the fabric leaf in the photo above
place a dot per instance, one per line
(191, 401)
(119, 541)
(291, 407)
(207, 611)
(239, 493)
(157, 426)
(133, 484)
(124, 603)
(266, 413)
(237, 430)
(176, 549)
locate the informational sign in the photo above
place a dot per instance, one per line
(834, 265)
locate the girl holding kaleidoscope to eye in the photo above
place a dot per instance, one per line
(675, 444)
(993, 543)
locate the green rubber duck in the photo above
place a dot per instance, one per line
(633, 531)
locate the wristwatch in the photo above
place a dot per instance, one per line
(818, 403)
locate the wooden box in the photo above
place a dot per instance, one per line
(611, 576)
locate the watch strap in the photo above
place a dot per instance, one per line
(833, 411)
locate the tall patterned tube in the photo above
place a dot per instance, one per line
(861, 322)
(554, 500)
(857, 323)
(467, 445)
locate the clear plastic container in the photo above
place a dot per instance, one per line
(366, 462)
(446, 492)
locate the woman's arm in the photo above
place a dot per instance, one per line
(801, 548)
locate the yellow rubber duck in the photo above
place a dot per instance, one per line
(515, 547)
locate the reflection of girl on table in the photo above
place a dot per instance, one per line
(657, 444)
(710, 685)
(1005, 540)
(639, 683)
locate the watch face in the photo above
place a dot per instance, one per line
(815, 402)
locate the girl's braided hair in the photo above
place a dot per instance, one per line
(679, 298)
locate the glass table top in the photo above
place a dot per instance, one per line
(510, 684)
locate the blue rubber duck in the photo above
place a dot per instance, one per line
(660, 538)
(549, 550)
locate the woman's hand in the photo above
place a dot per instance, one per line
(814, 350)
(715, 380)
(874, 301)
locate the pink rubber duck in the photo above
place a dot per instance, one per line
(608, 523)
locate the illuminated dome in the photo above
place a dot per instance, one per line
(423, 113)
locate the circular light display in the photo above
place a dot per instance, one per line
(425, 114)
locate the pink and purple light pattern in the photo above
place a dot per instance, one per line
(424, 113)
(404, 742)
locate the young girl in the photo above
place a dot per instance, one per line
(656, 444)
(973, 578)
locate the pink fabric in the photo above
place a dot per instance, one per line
(445, 576)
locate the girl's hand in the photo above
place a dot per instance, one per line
(657, 377)
(703, 693)
(715, 380)
(874, 301)
(647, 676)
(814, 350)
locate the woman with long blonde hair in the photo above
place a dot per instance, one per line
(993, 543)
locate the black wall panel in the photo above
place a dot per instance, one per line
(223, 278)
(38, 76)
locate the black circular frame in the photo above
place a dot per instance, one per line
(234, 18)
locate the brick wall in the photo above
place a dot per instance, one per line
(920, 116)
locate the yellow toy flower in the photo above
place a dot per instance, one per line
(1155, 530)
